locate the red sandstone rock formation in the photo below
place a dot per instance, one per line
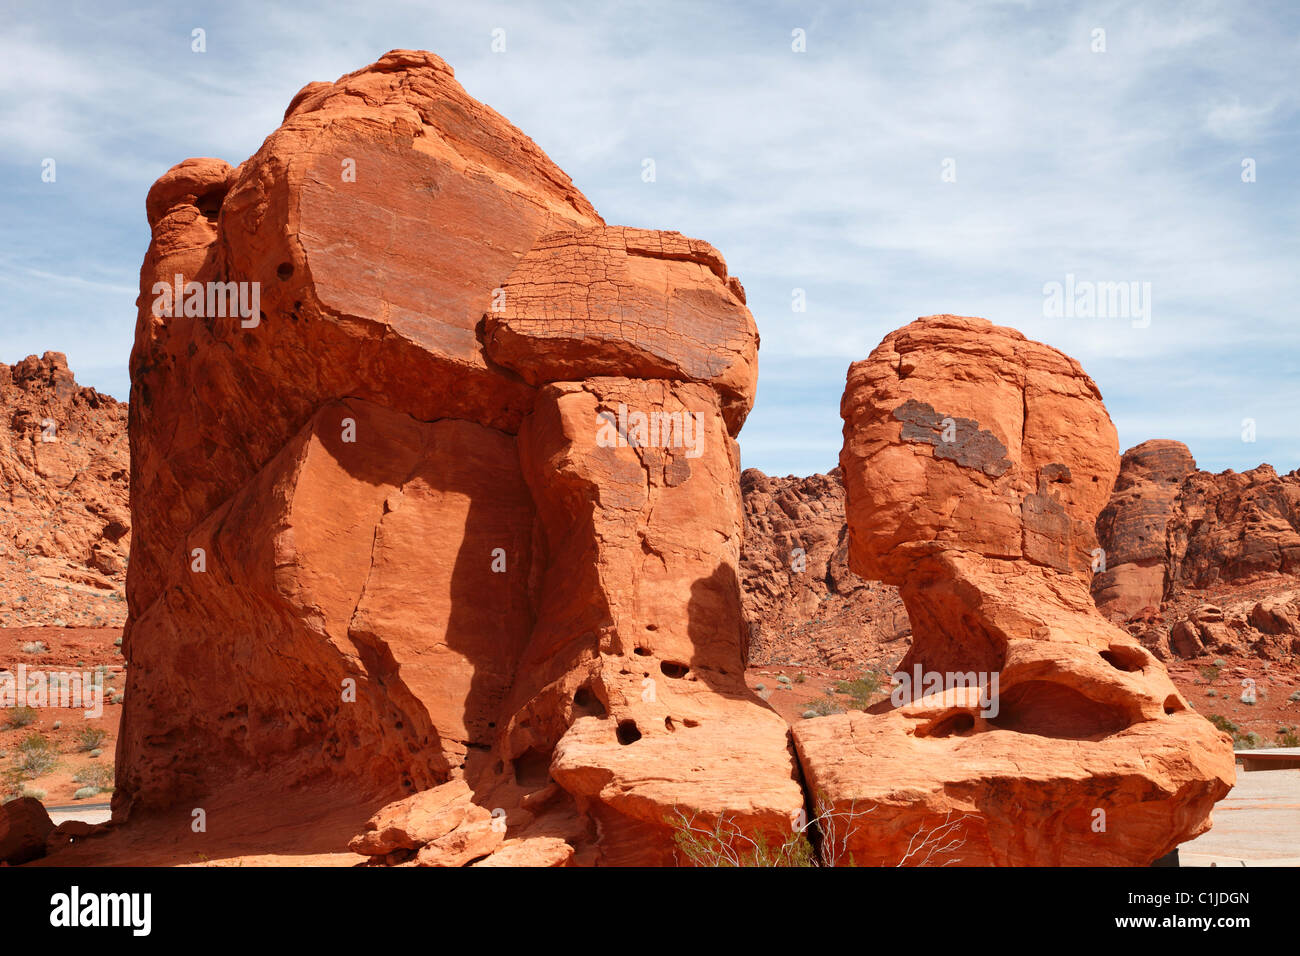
(64, 520)
(1131, 529)
(454, 504)
(975, 464)
(1188, 553)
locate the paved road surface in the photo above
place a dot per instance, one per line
(1256, 824)
(89, 812)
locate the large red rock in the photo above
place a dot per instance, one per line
(975, 463)
(24, 829)
(361, 567)
(640, 633)
(455, 504)
(1133, 527)
(338, 218)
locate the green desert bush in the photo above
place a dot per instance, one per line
(98, 776)
(861, 690)
(35, 757)
(1240, 741)
(1224, 724)
(21, 717)
(89, 738)
(723, 843)
(824, 706)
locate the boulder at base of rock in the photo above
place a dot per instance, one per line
(24, 829)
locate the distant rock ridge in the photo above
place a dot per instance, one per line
(1170, 526)
(1177, 543)
(1202, 563)
(64, 514)
(802, 603)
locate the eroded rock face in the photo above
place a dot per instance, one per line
(64, 518)
(1132, 528)
(452, 508)
(1234, 527)
(1189, 553)
(801, 601)
(975, 463)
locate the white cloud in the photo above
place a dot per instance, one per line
(818, 170)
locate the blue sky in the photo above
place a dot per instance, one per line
(819, 170)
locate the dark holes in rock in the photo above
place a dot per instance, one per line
(627, 732)
(1124, 657)
(532, 768)
(586, 703)
(674, 669)
(1172, 704)
(1048, 709)
(954, 724)
(691, 723)
(668, 722)
(209, 204)
(284, 271)
(643, 652)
